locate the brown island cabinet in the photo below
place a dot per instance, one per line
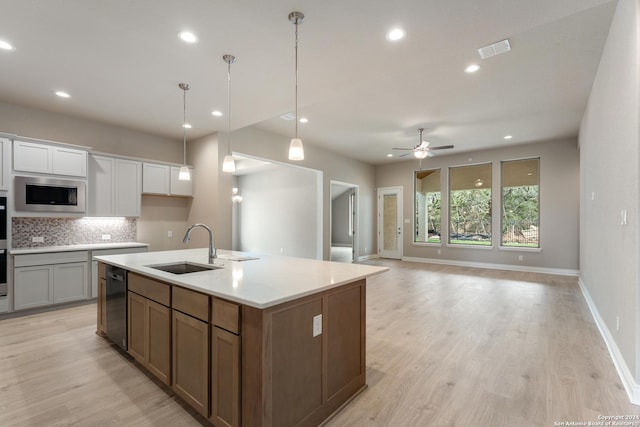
(290, 364)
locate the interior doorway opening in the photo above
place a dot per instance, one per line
(344, 221)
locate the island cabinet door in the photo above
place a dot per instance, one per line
(225, 378)
(158, 334)
(102, 309)
(149, 335)
(191, 360)
(136, 325)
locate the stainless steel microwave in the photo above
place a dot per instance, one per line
(41, 194)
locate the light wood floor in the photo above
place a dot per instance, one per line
(446, 346)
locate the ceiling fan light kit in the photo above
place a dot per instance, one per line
(423, 148)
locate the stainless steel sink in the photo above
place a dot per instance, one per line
(184, 267)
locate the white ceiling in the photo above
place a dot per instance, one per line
(122, 61)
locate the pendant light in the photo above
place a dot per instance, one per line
(228, 164)
(184, 174)
(296, 151)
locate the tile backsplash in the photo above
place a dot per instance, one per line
(70, 231)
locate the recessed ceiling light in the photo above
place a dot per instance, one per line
(188, 37)
(304, 120)
(508, 137)
(472, 68)
(62, 94)
(389, 155)
(216, 113)
(187, 126)
(396, 34)
(6, 45)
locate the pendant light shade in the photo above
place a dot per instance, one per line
(184, 174)
(296, 150)
(228, 164)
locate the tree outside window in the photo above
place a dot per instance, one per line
(470, 205)
(521, 203)
(427, 206)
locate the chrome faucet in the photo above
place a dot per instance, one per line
(212, 250)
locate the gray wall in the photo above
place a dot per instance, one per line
(340, 220)
(609, 155)
(559, 205)
(279, 212)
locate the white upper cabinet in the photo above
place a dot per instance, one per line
(49, 159)
(163, 179)
(128, 187)
(181, 188)
(67, 161)
(156, 179)
(115, 186)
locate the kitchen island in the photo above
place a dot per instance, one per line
(256, 341)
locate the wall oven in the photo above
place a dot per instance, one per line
(41, 194)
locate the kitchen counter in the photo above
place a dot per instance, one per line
(264, 282)
(79, 247)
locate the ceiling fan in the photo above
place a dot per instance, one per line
(423, 149)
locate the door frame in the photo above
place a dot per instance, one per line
(355, 225)
(399, 253)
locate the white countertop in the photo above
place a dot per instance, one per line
(80, 247)
(260, 283)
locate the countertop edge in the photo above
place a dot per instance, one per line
(75, 248)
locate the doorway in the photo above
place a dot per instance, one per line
(343, 221)
(390, 222)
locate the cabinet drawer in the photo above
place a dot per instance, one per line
(190, 302)
(50, 258)
(152, 289)
(226, 315)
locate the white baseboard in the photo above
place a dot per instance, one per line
(510, 267)
(341, 245)
(629, 382)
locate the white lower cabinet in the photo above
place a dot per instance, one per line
(70, 282)
(46, 279)
(33, 286)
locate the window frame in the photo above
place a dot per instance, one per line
(415, 213)
(490, 244)
(501, 246)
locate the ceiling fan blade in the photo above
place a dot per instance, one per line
(404, 155)
(441, 147)
(406, 149)
(424, 144)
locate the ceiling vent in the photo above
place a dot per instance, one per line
(288, 116)
(494, 49)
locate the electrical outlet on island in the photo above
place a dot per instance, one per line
(106, 237)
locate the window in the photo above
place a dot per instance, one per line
(521, 203)
(470, 205)
(427, 206)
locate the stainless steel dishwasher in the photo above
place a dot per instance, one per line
(117, 306)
